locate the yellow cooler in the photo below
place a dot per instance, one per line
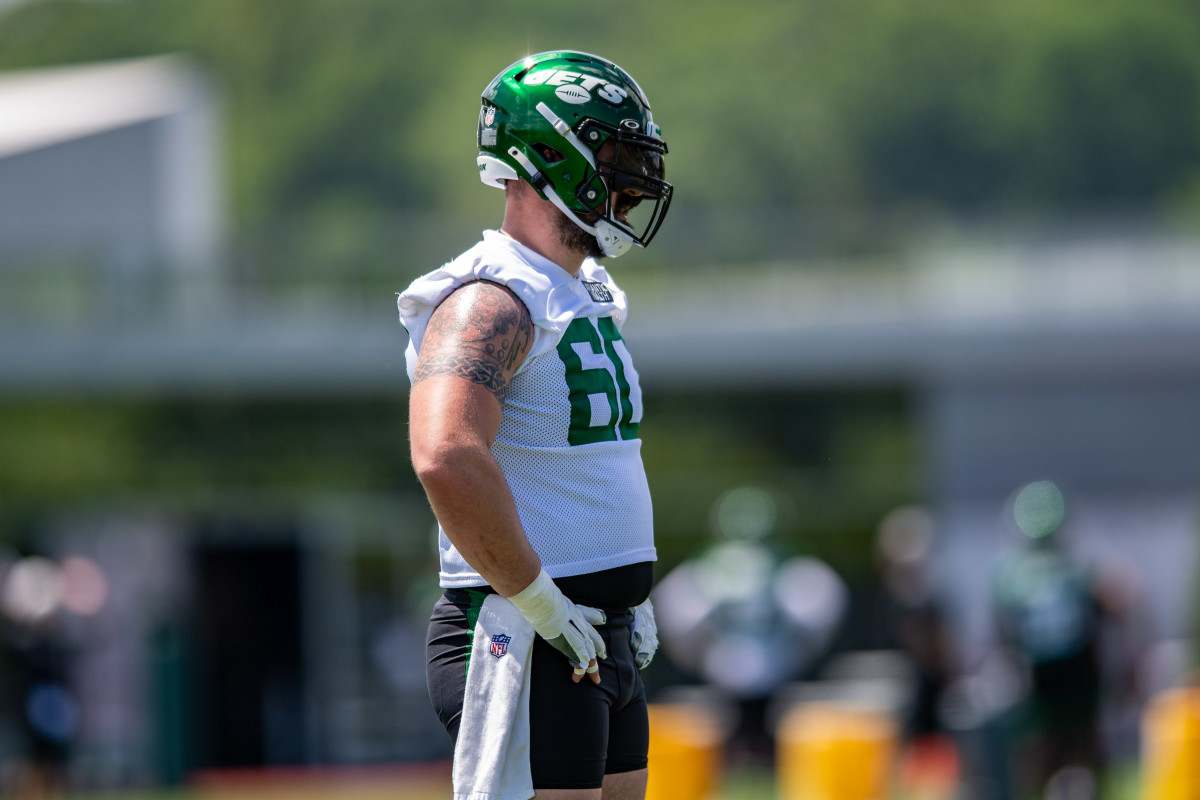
(1171, 746)
(685, 753)
(830, 751)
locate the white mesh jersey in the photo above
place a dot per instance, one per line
(568, 441)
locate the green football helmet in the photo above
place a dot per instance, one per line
(578, 129)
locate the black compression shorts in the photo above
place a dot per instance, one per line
(579, 732)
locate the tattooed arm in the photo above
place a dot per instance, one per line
(473, 344)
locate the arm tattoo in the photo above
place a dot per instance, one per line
(467, 366)
(480, 333)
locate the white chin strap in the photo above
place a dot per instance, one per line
(612, 240)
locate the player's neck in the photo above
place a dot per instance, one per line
(531, 223)
(547, 244)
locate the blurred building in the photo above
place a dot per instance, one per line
(117, 165)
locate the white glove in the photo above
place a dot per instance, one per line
(566, 626)
(643, 634)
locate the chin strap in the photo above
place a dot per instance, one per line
(613, 241)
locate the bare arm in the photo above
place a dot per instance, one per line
(473, 344)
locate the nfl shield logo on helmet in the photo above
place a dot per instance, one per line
(500, 644)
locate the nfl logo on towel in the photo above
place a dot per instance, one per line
(500, 644)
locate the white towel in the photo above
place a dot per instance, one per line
(491, 758)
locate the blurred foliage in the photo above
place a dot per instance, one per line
(835, 462)
(59, 450)
(938, 106)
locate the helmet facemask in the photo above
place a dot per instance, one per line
(628, 191)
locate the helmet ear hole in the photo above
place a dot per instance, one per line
(549, 154)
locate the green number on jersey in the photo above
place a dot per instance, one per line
(603, 407)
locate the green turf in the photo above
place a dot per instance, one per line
(738, 784)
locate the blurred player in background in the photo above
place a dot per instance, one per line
(1054, 611)
(917, 622)
(524, 418)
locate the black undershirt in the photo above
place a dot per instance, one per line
(616, 588)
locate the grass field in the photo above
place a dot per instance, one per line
(433, 783)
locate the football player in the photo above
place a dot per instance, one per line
(524, 423)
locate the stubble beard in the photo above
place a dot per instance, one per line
(576, 238)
